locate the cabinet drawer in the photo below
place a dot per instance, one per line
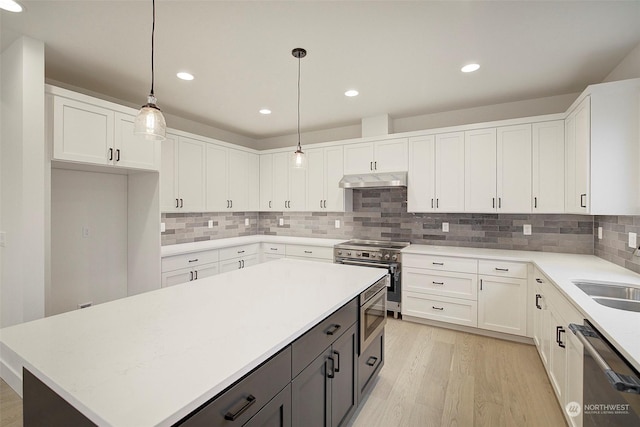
(370, 362)
(306, 348)
(441, 263)
(273, 249)
(444, 309)
(310, 251)
(263, 384)
(193, 259)
(503, 268)
(456, 285)
(238, 251)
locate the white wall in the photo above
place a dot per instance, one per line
(628, 68)
(23, 182)
(90, 268)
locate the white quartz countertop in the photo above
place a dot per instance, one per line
(620, 327)
(184, 248)
(153, 358)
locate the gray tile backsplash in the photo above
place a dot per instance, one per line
(615, 236)
(381, 214)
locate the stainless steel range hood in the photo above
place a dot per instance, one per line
(374, 180)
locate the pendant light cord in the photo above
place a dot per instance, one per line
(299, 147)
(153, 31)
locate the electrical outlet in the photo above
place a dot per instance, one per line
(210, 225)
(526, 229)
(445, 227)
(600, 233)
(281, 221)
(85, 232)
(163, 227)
(246, 221)
(337, 223)
(3, 239)
(633, 239)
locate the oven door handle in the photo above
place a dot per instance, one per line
(625, 383)
(364, 264)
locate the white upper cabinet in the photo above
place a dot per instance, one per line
(548, 167)
(498, 169)
(230, 174)
(578, 142)
(381, 156)
(480, 170)
(436, 173)
(266, 182)
(182, 175)
(514, 169)
(289, 187)
(86, 130)
(324, 172)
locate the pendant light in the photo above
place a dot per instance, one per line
(150, 121)
(299, 159)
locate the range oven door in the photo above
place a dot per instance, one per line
(373, 316)
(391, 267)
(611, 387)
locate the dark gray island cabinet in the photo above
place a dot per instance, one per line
(314, 381)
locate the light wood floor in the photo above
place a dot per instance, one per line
(436, 377)
(440, 377)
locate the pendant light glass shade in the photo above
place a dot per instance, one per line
(299, 159)
(150, 121)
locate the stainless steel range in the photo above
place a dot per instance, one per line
(380, 254)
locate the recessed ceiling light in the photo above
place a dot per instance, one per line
(351, 92)
(470, 68)
(10, 5)
(184, 75)
(265, 111)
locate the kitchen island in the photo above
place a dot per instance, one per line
(154, 358)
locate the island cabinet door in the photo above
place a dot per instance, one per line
(276, 413)
(311, 393)
(344, 389)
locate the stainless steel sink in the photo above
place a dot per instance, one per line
(614, 295)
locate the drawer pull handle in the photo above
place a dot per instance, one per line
(240, 252)
(232, 416)
(191, 280)
(308, 252)
(438, 283)
(371, 361)
(560, 330)
(538, 306)
(437, 308)
(437, 263)
(333, 329)
(539, 280)
(502, 269)
(193, 260)
(273, 249)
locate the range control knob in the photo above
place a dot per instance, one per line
(395, 257)
(358, 253)
(348, 253)
(379, 255)
(339, 252)
(386, 256)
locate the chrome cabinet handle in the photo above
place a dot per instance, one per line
(501, 269)
(193, 260)
(437, 263)
(438, 283)
(437, 308)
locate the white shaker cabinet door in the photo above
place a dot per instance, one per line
(176, 277)
(82, 132)
(253, 163)
(480, 170)
(583, 155)
(266, 182)
(134, 151)
(238, 173)
(315, 179)
(502, 305)
(169, 199)
(216, 179)
(421, 178)
(391, 156)
(514, 169)
(548, 167)
(449, 172)
(297, 189)
(333, 173)
(281, 166)
(191, 174)
(358, 158)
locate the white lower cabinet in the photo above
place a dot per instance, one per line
(311, 253)
(272, 251)
(238, 263)
(189, 267)
(443, 309)
(238, 257)
(560, 350)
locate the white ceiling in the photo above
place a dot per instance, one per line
(403, 57)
